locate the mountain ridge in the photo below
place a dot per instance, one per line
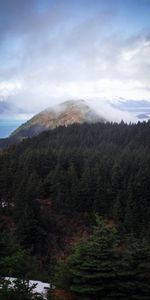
(64, 114)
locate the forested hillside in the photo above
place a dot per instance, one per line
(52, 185)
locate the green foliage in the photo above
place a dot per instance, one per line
(65, 176)
(103, 268)
(12, 258)
(15, 261)
(18, 290)
(137, 256)
(101, 168)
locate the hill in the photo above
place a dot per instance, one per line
(52, 185)
(88, 167)
(64, 114)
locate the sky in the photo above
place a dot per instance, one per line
(56, 50)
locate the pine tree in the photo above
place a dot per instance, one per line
(104, 268)
(92, 266)
(18, 290)
(137, 257)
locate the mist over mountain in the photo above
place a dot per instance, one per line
(75, 149)
(114, 110)
(64, 114)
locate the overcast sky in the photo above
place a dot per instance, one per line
(55, 50)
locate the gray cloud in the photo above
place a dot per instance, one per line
(59, 52)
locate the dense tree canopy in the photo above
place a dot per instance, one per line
(101, 168)
(52, 185)
(104, 267)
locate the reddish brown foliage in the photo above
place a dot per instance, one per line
(62, 295)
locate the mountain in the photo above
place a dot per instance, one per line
(64, 114)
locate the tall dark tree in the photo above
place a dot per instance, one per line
(104, 268)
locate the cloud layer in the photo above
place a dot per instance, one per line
(52, 51)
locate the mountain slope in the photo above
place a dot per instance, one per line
(64, 114)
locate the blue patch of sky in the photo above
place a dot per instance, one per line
(8, 126)
(43, 5)
(129, 16)
(11, 51)
(141, 106)
(134, 16)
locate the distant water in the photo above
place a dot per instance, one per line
(8, 126)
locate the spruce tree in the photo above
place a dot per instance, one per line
(93, 266)
(105, 268)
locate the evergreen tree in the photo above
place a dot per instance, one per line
(137, 257)
(18, 290)
(92, 265)
(102, 268)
